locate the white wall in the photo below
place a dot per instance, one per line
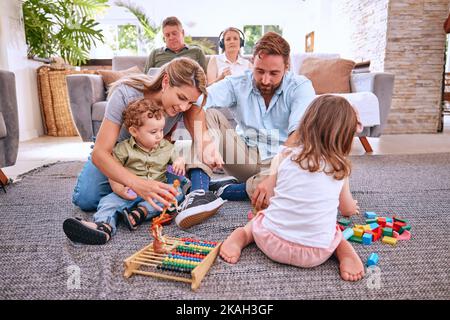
(209, 18)
(13, 57)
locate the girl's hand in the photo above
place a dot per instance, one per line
(152, 191)
(263, 193)
(179, 167)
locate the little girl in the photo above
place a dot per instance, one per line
(312, 183)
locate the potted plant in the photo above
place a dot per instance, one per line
(64, 28)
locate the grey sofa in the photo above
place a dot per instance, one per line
(9, 121)
(87, 96)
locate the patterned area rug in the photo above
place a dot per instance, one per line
(38, 262)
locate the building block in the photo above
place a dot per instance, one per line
(395, 235)
(406, 235)
(398, 225)
(389, 225)
(355, 239)
(400, 220)
(372, 260)
(367, 238)
(376, 234)
(344, 222)
(374, 226)
(370, 221)
(402, 229)
(358, 232)
(347, 233)
(382, 221)
(367, 227)
(389, 240)
(389, 220)
(370, 215)
(387, 232)
(341, 227)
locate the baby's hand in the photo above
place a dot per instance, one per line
(356, 207)
(179, 167)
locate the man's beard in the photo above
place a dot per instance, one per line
(267, 90)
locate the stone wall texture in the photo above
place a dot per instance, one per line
(406, 38)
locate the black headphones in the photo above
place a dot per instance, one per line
(222, 42)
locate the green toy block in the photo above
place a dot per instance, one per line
(355, 239)
(401, 220)
(369, 221)
(402, 229)
(387, 232)
(344, 222)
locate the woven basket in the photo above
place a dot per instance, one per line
(54, 100)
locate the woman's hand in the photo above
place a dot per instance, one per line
(179, 166)
(225, 72)
(121, 190)
(152, 191)
(263, 192)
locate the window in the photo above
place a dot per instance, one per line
(121, 40)
(254, 32)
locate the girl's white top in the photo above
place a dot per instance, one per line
(304, 206)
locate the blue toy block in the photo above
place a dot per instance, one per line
(374, 225)
(367, 238)
(370, 215)
(347, 233)
(373, 260)
(389, 220)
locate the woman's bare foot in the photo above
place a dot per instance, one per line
(350, 265)
(231, 248)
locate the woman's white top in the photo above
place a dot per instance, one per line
(237, 68)
(304, 206)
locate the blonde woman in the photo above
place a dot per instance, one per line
(176, 88)
(230, 62)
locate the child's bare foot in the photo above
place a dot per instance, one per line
(350, 265)
(231, 248)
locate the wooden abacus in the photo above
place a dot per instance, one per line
(188, 260)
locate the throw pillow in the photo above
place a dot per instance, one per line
(110, 76)
(328, 75)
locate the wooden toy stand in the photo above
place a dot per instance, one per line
(146, 261)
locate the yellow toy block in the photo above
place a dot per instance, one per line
(389, 240)
(358, 232)
(367, 227)
(358, 226)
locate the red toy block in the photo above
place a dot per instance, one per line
(398, 225)
(341, 227)
(389, 225)
(382, 221)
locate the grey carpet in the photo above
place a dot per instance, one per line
(35, 254)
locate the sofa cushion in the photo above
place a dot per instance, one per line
(110, 76)
(3, 131)
(98, 111)
(298, 58)
(328, 75)
(367, 105)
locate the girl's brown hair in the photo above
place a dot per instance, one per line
(326, 134)
(139, 110)
(181, 72)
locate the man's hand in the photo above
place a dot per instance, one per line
(211, 156)
(179, 166)
(263, 192)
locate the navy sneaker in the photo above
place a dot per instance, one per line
(215, 185)
(198, 206)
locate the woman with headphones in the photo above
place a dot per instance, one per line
(230, 62)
